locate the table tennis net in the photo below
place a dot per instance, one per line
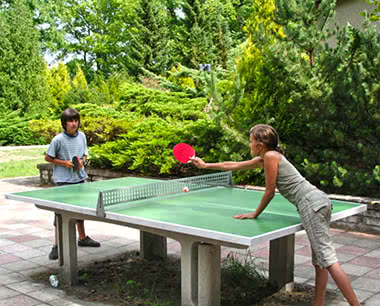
(109, 198)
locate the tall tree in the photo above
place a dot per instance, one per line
(207, 31)
(204, 32)
(110, 35)
(150, 45)
(22, 78)
(263, 34)
(94, 33)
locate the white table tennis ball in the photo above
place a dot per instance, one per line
(185, 189)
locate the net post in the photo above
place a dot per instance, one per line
(100, 206)
(230, 179)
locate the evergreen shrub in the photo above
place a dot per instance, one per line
(139, 133)
(16, 130)
(45, 128)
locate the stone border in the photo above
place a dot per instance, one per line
(46, 174)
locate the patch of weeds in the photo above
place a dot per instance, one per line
(243, 280)
(85, 277)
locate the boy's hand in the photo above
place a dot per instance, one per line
(77, 163)
(68, 164)
(80, 164)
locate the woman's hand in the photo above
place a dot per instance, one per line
(198, 162)
(251, 215)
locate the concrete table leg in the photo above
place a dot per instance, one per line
(152, 246)
(189, 272)
(200, 274)
(67, 250)
(58, 224)
(209, 279)
(281, 262)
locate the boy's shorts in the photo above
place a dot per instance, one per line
(315, 213)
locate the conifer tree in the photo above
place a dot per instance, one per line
(59, 85)
(150, 44)
(207, 30)
(22, 82)
(79, 80)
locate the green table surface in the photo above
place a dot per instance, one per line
(210, 210)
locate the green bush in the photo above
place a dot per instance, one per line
(46, 128)
(15, 130)
(336, 117)
(138, 133)
(147, 102)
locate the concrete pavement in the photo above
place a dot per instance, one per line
(27, 234)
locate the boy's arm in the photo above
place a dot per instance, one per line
(59, 162)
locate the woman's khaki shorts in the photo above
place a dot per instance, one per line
(315, 213)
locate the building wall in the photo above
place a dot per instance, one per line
(349, 11)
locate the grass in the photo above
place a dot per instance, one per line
(21, 162)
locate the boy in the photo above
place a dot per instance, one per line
(61, 150)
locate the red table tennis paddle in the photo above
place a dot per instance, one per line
(76, 163)
(183, 152)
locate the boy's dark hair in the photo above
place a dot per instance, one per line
(69, 114)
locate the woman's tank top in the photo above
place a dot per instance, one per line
(291, 184)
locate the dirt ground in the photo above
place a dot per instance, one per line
(131, 281)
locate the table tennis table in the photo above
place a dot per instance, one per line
(200, 219)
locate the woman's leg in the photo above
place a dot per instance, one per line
(321, 277)
(342, 281)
